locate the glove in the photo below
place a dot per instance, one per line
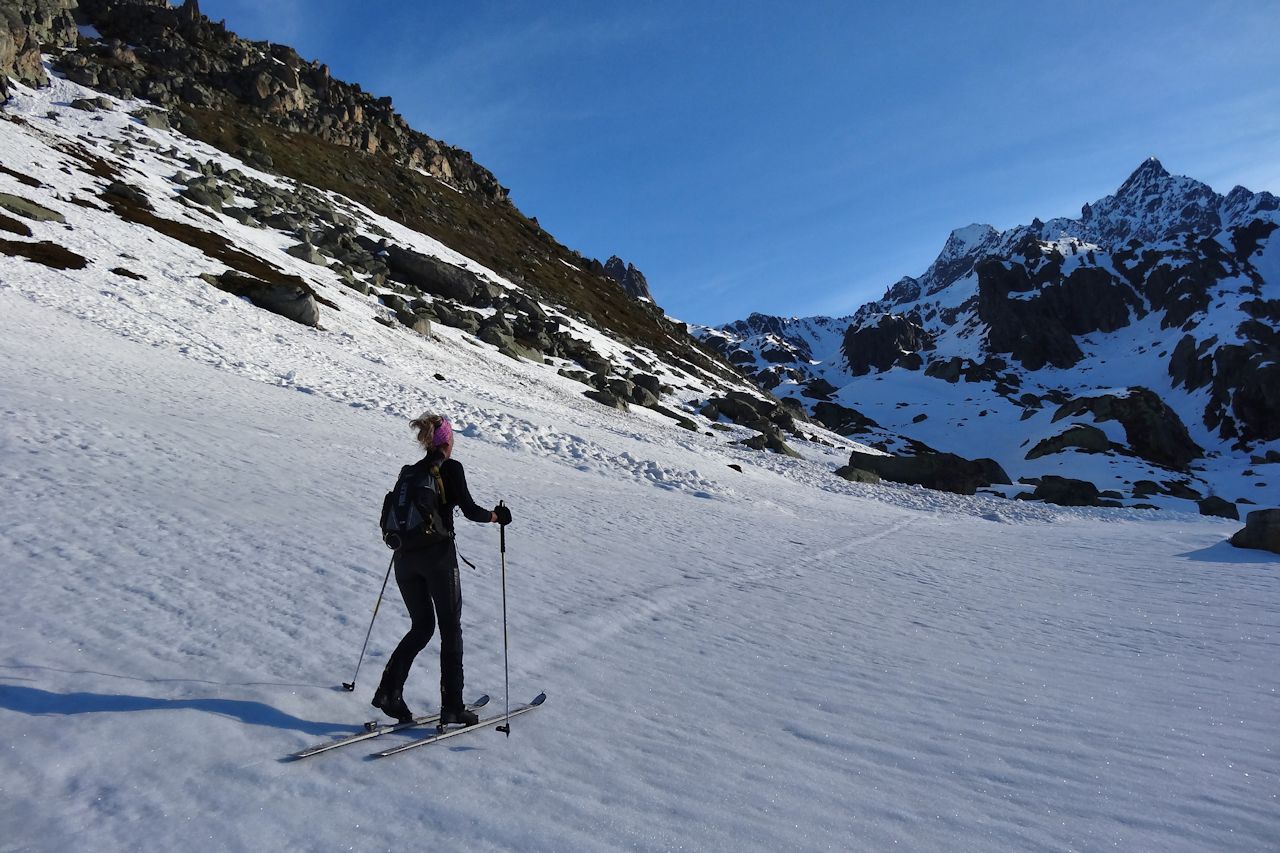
(503, 514)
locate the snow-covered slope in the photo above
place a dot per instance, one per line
(1011, 338)
(765, 658)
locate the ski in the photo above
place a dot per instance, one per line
(487, 721)
(376, 729)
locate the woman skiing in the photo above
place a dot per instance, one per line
(427, 574)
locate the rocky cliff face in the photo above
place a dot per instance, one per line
(178, 56)
(26, 28)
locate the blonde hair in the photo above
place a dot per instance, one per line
(426, 425)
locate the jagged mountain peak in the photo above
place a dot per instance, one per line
(1151, 205)
(1149, 172)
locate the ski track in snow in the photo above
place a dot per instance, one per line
(758, 660)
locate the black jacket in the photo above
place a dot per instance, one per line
(456, 493)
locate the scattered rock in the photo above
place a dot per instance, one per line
(121, 271)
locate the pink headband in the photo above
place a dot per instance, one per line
(443, 434)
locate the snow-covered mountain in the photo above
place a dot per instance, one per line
(1135, 347)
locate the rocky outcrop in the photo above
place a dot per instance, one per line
(767, 417)
(628, 278)
(877, 347)
(1033, 312)
(945, 472)
(1261, 530)
(28, 28)
(177, 56)
(1152, 430)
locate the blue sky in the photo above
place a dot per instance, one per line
(797, 158)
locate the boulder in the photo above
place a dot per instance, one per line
(771, 441)
(944, 472)
(29, 209)
(606, 398)
(432, 275)
(1082, 436)
(295, 303)
(857, 475)
(307, 252)
(1261, 530)
(1216, 506)
(456, 317)
(948, 371)
(91, 104)
(1151, 428)
(818, 389)
(1065, 491)
(842, 419)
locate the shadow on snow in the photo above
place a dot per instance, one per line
(37, 702)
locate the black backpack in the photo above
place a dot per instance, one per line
(411, 512)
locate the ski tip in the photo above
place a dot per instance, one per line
(539, 699)
(481, 702)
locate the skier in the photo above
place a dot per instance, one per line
(428, 579)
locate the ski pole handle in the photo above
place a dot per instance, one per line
(502, 533)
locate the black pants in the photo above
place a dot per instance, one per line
(428, 582)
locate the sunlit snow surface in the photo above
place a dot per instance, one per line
(772, 659)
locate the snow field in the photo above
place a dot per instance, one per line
(780, 665)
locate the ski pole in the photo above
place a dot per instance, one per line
(506, 672)
(351, 686)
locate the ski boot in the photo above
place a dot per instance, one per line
(392, 704)
(461, 716)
